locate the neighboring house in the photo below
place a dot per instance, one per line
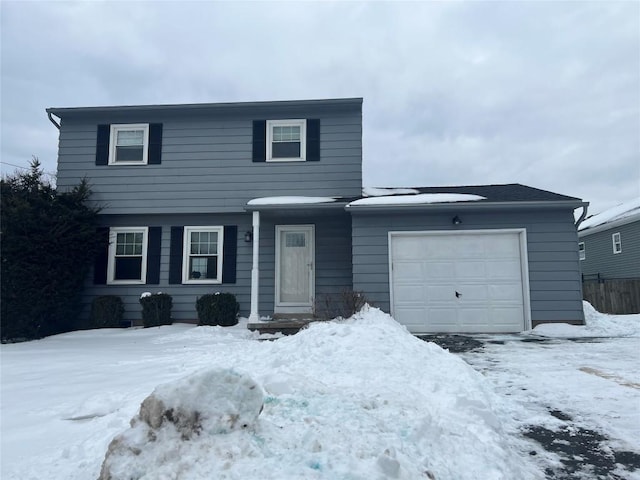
(265, 200)
(609, 243)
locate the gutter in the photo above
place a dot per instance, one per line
(51, 119)
(295, 206)
(467, 205)
(195, 108)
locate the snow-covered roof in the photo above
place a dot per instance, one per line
(489, 196)
(290, 200)
(625, 211)
(384, 191)
(421, 198)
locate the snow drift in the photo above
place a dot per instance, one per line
(358, 399)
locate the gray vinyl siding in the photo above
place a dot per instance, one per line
(552, 247)
(333, 271)
(184, 296)
(207, 163)
(332, 262)
(600, 258)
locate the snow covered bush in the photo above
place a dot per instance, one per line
(218, 309)
(198, 410)
(156, 309)
(106, 312)
(48, 245)
(343, 304)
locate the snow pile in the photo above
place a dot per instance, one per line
(360, 399)
(292, 200)
(357, 399)
(422, 198)
(597, 325)
(202, 408)
(618, 212)
(381, 192)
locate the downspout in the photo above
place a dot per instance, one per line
(583, 216)
(56, 124)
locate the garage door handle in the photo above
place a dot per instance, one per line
(458, 294)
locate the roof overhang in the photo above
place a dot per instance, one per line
(458, 206)
(290, 209)
(204, 108)
(609, 225)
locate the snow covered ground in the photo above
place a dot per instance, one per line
(588, 374)
(355, 399)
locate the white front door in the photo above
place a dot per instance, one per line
(295, 273)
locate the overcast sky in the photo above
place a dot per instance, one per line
(541, 93)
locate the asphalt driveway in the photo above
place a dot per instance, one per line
(576, 401)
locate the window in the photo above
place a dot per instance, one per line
(129, 144)
(617, 243)
(583, 253)
(286, 140)
(202, 262)
(127, 255)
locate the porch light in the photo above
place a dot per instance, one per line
(248, 236)
(456, 220)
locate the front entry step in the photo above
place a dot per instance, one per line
(286, 326)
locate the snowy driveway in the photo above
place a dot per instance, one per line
(578, 399)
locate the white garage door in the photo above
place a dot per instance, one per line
(468, 281)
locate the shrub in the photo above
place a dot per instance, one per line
(218, 309)
(48, 245)
(106, 312)
(156, 309)
(343, 304)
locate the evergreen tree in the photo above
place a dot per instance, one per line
(48, 241)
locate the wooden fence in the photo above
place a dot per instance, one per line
(619, 296)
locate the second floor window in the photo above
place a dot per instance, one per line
(286, 140)
(129, 144)
(617, 243)
(583, 252)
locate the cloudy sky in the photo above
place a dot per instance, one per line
(541, 93)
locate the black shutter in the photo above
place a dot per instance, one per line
(155, 143)
(102, 145)
(259, 140)
(102, 256)
(313, 140)
(175, 255)
(230, 249)
(153, 255)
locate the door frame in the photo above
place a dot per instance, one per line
(294, 307)
(524, 260)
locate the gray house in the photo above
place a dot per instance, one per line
(609, 242)
(265, 200)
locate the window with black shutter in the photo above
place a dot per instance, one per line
(293, 140)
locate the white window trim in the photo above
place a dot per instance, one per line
(186, 254)
(111, 263)
(302, 123)
(582, 251)
(129, 126)
(616, 243)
